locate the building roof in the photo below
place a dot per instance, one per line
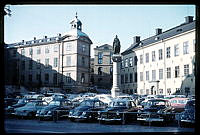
(103, 47)
(76, 32)
(167, 34)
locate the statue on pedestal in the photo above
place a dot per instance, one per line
(116, 45)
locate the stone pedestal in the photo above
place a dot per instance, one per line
(115, 91)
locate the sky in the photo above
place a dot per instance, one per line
(100, 22)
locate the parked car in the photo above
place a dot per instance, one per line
(56, 108)
(188, 115)
(178, 104)
(106, 98)
(87, 110)
(119, 111)
(156, 110)
(10, 110)
(30, 109)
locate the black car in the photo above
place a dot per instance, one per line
(188, 115)
(87, 110)
(119, 111)
(156, 110)
(10, 110)
(56, 109)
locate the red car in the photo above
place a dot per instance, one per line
(178, 104)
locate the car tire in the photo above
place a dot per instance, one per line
(72, 119)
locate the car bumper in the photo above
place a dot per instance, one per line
(188, 121)
(150, 119)
(106, 119)
(77, 117)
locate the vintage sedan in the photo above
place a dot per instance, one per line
(187, 118)
(178, 104)
(156, 110)
(10, 110)
(119, 111)
(30, 109)
(87, 110)
(55, 109)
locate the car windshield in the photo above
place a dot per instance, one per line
(156, 103)
(20, 101)
(87, 103)
(181, 101)
(31, 104)
(57, 103)
(119, 104)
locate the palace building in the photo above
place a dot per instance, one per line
(162, 64)
(61, 61)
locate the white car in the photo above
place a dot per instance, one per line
(106, 98)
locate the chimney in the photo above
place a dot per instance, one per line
(158, 31)
(59, 34)
(34, 38)
(45, 36)
(136, 39)
(188, 19)
(22, 41)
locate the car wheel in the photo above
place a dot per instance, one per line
(72, 119)
(30, 115)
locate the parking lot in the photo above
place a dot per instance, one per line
(15, 125)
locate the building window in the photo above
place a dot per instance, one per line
(141, 76)
(135, 60)
(161, 91)
(160, 54)
(55, 62)
(122, 79)
(30, 64)
(30, 77)
(38, 77)
(83, 48)
(122, 64)
(100, 70)
(46, 76)
(126, 62)
(147, 57)
(176, 50)
(160, 73)
(46, 62)
(176, 71)
(38, 64)
(55, 78)
(55, 49)
(186, 70)
(68, 77)
(111, 54)
(83, 61)
(111, 70)
(168, 72)
(169, 91)
(135, 77)
(130, 61)
(147, 91)
(68, 61)
(30, 51)
(147, 75)
(141, 59)
(23, 65)
(131, 77)
(82, 77)
(23, 51)
(126, 78)
(100, 58)
(38, 50)
(68, 47)
(153, 75)
(153, 56)
(168, 52)
(186, 47)
(46, 49)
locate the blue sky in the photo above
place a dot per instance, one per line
(100, 22)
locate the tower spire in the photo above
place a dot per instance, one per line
(76, 15)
